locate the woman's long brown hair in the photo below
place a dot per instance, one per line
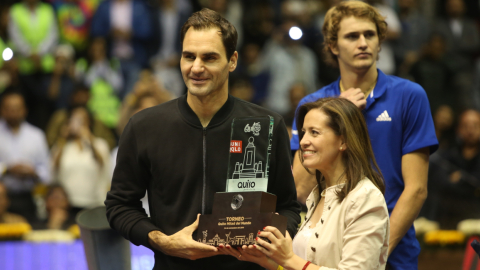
(346, 120)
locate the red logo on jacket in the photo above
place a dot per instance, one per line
(235, 146)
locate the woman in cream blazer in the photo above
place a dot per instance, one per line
(347, 223)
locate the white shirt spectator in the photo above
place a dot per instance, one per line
(83, 178)
(28, 146)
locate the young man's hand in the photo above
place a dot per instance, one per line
(356, 96)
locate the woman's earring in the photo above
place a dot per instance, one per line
(341, 147)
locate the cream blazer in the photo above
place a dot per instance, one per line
(352, 234)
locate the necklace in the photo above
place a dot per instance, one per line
(324, 192)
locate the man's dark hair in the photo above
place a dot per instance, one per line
(207, 19)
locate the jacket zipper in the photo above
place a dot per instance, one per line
(204, 169)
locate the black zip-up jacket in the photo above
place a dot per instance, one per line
(166, 151)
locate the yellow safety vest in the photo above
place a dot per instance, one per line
(34, 32)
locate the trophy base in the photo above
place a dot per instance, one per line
(238, 217)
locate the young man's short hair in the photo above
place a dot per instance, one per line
(206, 19)
(345, 9)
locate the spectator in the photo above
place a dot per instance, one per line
(58, 210)
(33, 34)
(24, 157)
(434, 74)
(444, 128)
(461, 197)
(74, 19)
(79, 98)
(288, 61)
(414, 34)
(6, 217)
(103, 78)
(251, 66)
(62, 81)
(462, 39)
(147, 93)
(169, 18)
(81, 162)
(127, 25)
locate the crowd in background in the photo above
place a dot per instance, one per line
(81, 68)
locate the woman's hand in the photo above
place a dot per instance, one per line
(280, 247)
(249, 254)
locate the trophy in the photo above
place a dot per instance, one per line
(245, 208)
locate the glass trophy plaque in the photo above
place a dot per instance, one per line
(245, 208)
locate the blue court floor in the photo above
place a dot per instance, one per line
(20, 255)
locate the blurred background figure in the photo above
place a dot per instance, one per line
(414, 34)
(296, 92)
(435, 75)
(127, 25)
(5, 216)
(147, 92)
(74, 18)
(57, 207)
(24, 156)
(61, 82)
(443, 119)
(79, 98)
(241, 88)
(250, 67)
(33, 33)
(81, 162)
(462, 41)
(288, 60)
(169, 17)
(104, 80)
(455, 176)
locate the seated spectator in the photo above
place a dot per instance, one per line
(6, 217)
(24, 156)
(79, 97)
(81, 162)
(58, 210)
(460, 192)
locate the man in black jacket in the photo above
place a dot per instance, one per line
(177, 152)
